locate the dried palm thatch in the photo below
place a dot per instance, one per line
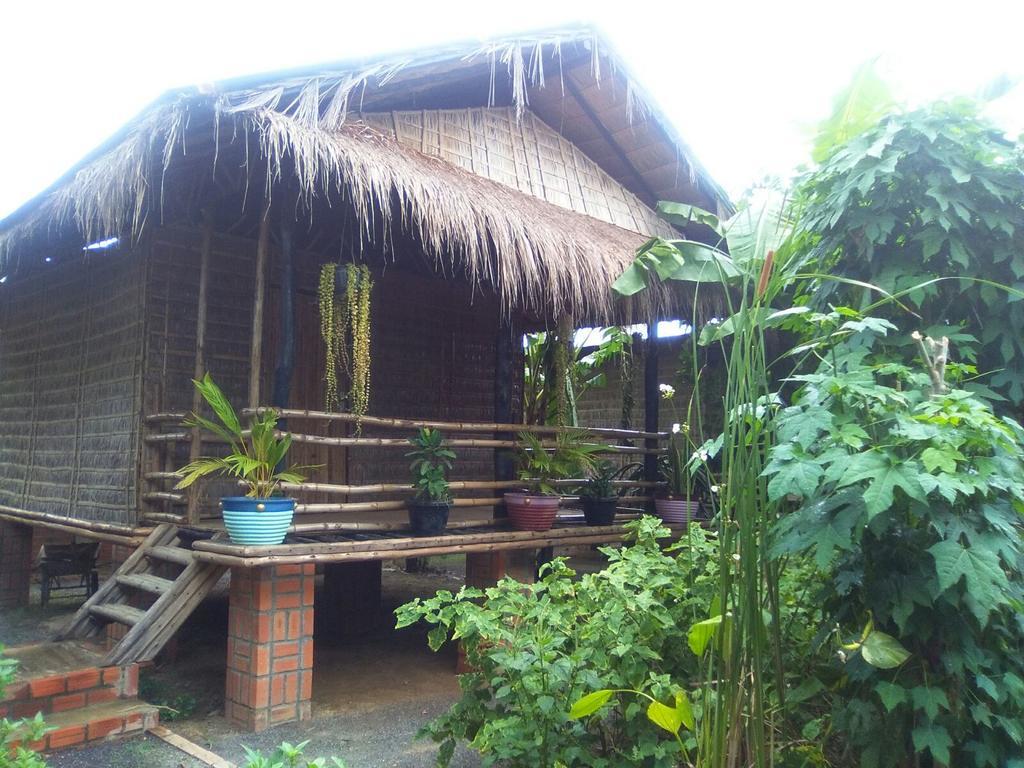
(538, 257)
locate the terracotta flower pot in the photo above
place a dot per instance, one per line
(531, 512)
(677, 511)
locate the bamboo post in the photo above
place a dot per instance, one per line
(196, 444)
(286, 350)
(651, 399)
(504, 461)
(256, 352)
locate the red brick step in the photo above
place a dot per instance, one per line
(113, 719)
(59, 677)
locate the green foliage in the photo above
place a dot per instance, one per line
(669, 718)
(546, 658)
(910, 498)
(345, 331)
(599, 484)
(930, 203)
(569, 456)
(254, 454)
(583, 372)
(431, 460)
(857, 108)
(288, 756)
(750, 267)
(22, 731)
(174, 704)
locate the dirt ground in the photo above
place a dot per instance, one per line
(371, 693)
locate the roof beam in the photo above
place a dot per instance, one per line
(652, 198)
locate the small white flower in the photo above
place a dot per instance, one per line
(703, 455)
(667, 391)
(736, 556)
(676, 429)
(714, 489)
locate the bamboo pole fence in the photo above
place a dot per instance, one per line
(487, 492)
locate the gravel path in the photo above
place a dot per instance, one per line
(382, 738)
(371, 695)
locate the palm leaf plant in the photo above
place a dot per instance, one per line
(541, 466)
(255, 456)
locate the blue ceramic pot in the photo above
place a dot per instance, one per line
(257, 521)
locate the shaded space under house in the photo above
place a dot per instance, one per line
(491, 190)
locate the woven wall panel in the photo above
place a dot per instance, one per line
(70, 348)
(433, 358)
(433, 354)
(527, 155)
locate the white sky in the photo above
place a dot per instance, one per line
(743, 81)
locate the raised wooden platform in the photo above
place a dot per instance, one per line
(358, 546)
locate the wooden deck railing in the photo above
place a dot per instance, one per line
(164, 435)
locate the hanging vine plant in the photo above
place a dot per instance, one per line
(345, 331)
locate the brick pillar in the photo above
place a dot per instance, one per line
(485, 569)
(351, 601)
(15, 564)
(270, 646)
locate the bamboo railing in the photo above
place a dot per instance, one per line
(164, 433)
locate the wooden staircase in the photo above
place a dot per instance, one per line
(161, 574)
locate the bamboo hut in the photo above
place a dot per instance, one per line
(489, 188)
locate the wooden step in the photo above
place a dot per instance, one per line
(176, 598)
(122, 614)
(170, 554)
(145, 582)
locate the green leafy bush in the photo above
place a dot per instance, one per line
(926, 198)
(22, 731)
(288, 756)
(910, 495)
(536, 650)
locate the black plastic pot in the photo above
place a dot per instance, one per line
(428, 518)
(599, 511)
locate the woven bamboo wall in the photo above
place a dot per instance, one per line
(70, 355)
(172, 296)
(527, 155)
(433, 352)
(433, 355)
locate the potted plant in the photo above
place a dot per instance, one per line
(678, 504)
(598, 496)
(542, 465)
(431, 460)
(261, 516)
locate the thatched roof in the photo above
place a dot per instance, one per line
(300, 128)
